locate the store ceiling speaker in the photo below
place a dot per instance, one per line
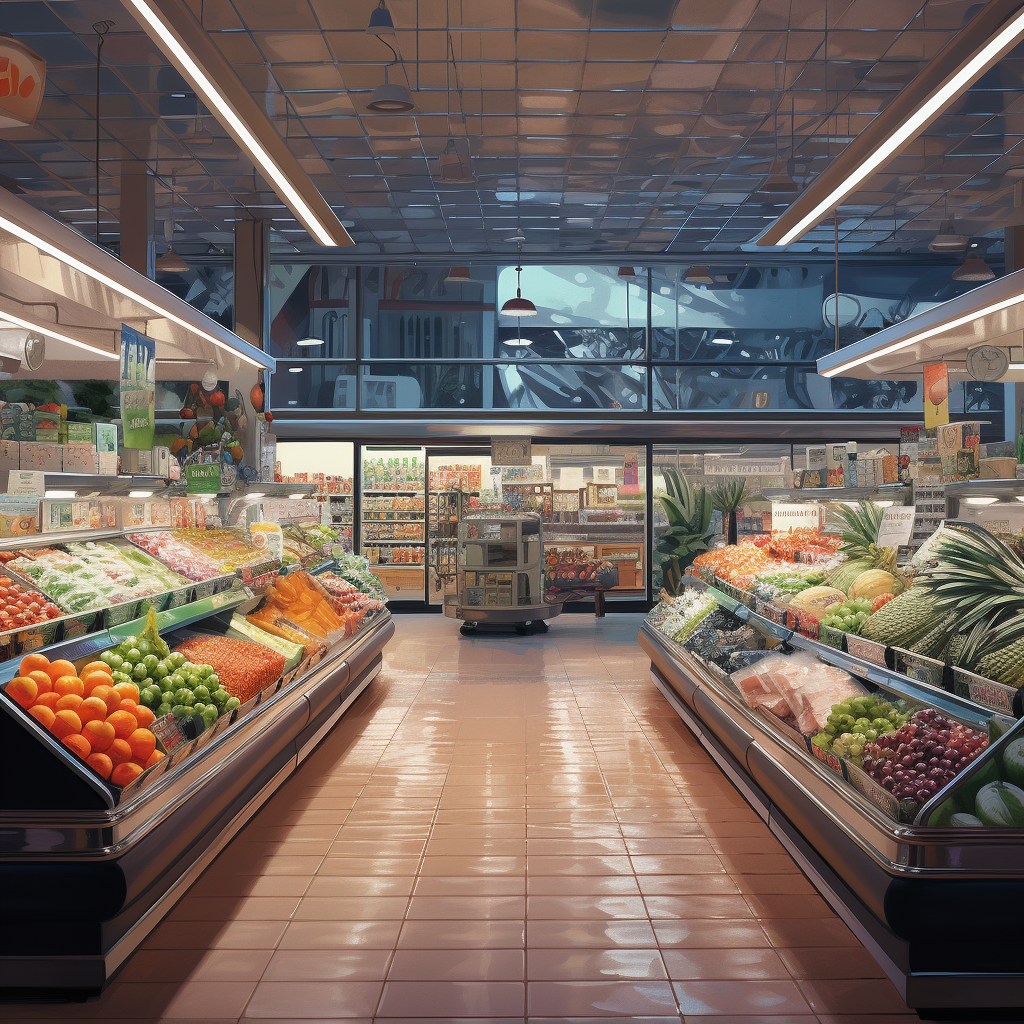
(947, 240)
(974, 269)
(21, 349)
(22, 82)
(987, 363)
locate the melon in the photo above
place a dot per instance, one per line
(1000, 804)
(816, 599)
(872, 584)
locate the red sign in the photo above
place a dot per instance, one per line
(22, 80)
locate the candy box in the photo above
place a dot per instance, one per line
(104, 436)
(41, 456)
(47, 425)
(19, 515)
(10, 455)
(79, 433)
(79, 458)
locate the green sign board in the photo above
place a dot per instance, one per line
(138, 388)
(203, 478)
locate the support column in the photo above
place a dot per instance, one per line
(252, 321)
(1013, 247)
(138, 217)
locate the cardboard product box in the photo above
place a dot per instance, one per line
(814, 457)
(102, 514)
(19, 515)
(61, 514)
(160, 512)
(79, 433)
(16, 422)
(810, 478)
(104, 436)
(47, 426)
(161, 460)
(133, 513)
(106, 463)
(10, 455)
(998, 467)
(836, 464)
(136, 461)
(79, 458)
(949, 441)
(42, 456)
(998, 450)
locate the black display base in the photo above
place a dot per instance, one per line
(530, 628)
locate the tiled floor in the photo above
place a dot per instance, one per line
(503, 829)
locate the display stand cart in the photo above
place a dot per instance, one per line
(499, 576)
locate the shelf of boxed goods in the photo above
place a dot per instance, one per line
(134, 849)
(892, 492)
(896, 883)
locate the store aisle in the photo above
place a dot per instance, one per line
(503, 829)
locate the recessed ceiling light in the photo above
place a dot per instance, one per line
(517, 342)
(309, 342)
(295, 369)
(721, 340)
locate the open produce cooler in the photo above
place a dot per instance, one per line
(106, 821)
(902, 802)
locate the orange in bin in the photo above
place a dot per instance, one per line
(100, 723)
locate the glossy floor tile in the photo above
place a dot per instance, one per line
(502, 830)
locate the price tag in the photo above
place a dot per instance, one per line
(167, 732)
(788, 516)
(897, 526)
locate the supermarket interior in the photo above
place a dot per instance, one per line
(433, 617)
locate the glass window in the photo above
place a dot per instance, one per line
(314, 385)
(309, 311)
(534, 384)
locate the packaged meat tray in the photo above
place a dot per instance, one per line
(177, 556)
(228, 549)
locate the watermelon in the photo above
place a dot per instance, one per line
(1000, 804)
(1013, 761)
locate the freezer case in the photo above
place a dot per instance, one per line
(938, 907)
(87, 870)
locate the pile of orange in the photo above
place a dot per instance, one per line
(99, 720)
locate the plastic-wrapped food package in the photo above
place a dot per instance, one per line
(186, 561)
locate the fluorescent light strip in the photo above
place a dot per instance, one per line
(16, 321)
(97, 275)
(215, 100)
(936, 102)
(896, 346)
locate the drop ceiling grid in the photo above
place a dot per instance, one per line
(667, 125)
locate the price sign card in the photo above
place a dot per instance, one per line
(788, 516)
(897, 526)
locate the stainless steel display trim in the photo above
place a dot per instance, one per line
(310, 745)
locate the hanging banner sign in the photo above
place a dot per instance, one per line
(511, 451)
(22, 81)
(788, 516)
(138, 388)
(897, 526)
(936, 395)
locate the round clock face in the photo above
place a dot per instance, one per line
(986, 362)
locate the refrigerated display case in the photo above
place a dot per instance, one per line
(91, 860)
(393, 515)
(329, 467)
(598, 511)
(761, 699)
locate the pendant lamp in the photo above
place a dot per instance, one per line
(973, 269)
(380, 21)
(519, 306)
(627, 272)
(171, 262)
(459, 275)
(698, 275)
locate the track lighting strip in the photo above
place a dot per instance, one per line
(989, 36)
(183, 40)
(45, 329)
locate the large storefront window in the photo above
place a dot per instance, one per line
(604, 340)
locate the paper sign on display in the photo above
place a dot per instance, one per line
(203, 478)
(936, 395)
(897, 526)
(138, 389)
(788, 516)
(26, 481)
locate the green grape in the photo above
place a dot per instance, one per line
(163, 709)
(213, 680)
(150, 661)
(201, 692)
(139, 672)
(145, 647)
(231, 703)
(161, 671)
(184, 696)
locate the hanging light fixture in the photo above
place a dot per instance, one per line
(973, 269)
(454, 167)
(309, 342)
(779, 180)
(519, 306)
(626, 272)
(380, 21)
(698, 275)
(387, 98)
(948, 239)
(171, 262)
(517, 342)
(459, 275)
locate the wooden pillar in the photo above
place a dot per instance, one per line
(138, 217)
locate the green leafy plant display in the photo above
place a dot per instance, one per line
(688, 510)
(728, 498)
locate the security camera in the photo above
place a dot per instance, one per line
(21, 349)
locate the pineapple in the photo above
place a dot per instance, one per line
(981, 580)
(860, 530)
(903, 621)
(1005, 665)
